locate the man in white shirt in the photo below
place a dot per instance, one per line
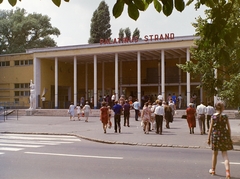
(160, 97)
(136, 107)
(201, 111)
(113, 98)
(210, 111)
(159, 113)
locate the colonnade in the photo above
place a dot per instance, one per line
(37, 77)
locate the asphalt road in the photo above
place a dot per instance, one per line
(60, 157)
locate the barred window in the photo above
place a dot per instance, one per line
(21, 93)
(21, 85)
(4, 63)
(23, 62)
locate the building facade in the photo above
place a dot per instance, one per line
(65, 74)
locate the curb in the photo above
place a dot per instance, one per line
(116, 142)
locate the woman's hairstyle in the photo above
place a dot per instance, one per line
(103, 103)
(219, 106)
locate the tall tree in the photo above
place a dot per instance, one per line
(121, 33)
(100, 24)
(136, 33)
(217, 54)
(20, 31)
(127, 33)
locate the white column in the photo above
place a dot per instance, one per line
(139, 77)
(163, 73)
(95, 82)
(86, 81)
(56, 82)
(121, 92)
(159, 79)
(37, 80)
(103, 77)
(75, 80)
(180, 78)
(188, 79)
(116, 76)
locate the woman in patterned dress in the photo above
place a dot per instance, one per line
(220, 134)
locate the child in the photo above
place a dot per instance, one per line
(78, 111)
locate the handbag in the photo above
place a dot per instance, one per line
(184, 116)
(68, 111)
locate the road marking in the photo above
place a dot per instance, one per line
(39, 135)
(21, 145)
(10, 149)
(38, 138)
(34, 142)
(1, 153)
(71, 155)
(233, 163)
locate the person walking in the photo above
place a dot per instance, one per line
(146, 116)
(86, 109)
(201, 111)
(71, 111)
(136, 107)
(191, 120)
(78, 107)
(220, 137)
(168, 114)
(117, 109)
(210, 111)
(159, 113)
(179, 99)
(126, 113)
(104, 116)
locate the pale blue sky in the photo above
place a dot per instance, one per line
(73, 19)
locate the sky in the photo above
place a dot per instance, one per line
(73, 19)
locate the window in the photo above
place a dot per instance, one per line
(23, 62)
(21, 85)
(21, 93)
(4, 63)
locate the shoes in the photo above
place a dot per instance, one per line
(211, 171)
(227, 174)
(86, 120)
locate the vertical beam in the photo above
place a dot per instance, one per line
(56, 83)
(37, 80)
(86, 81)
(103, 77)
(159, 77)
(75, 80)
(188, 79)
(180, 78)
(139, 76)
(120, 78)
(95, 82)
(163, 73)
(116, 76)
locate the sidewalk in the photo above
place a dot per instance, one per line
(177, 136)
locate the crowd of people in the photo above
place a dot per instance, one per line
(152, 116)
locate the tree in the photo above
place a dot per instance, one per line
(100, 24)
(127, 33)
(14, 2)
(20, 31)
(121, 33)
(136, 33)
(217, 52)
